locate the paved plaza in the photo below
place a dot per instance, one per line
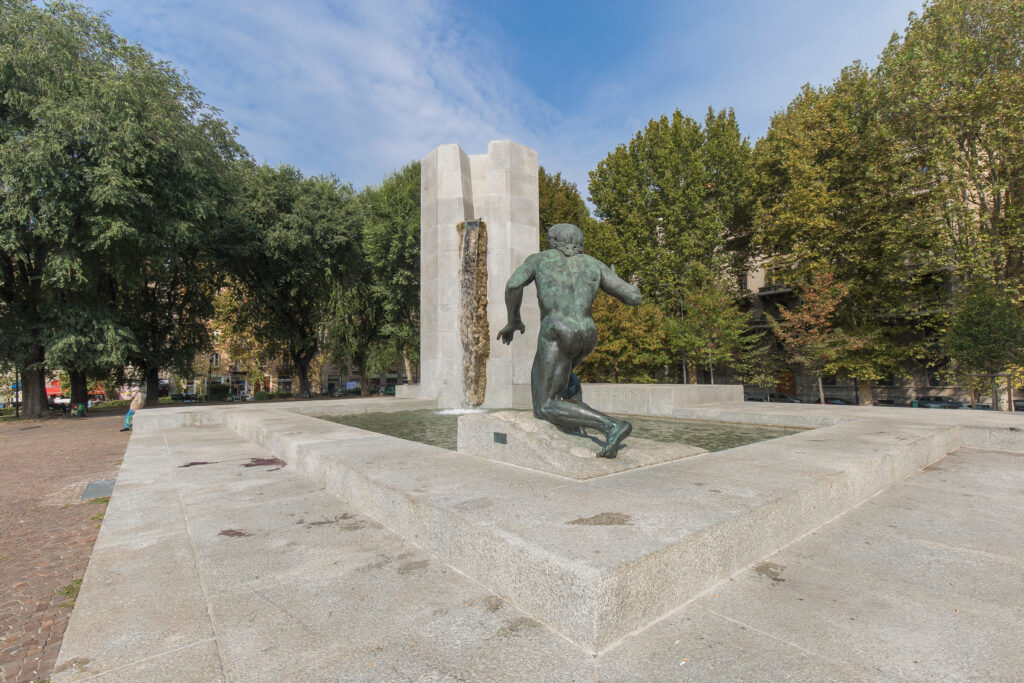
(46, 531)
(219, 560)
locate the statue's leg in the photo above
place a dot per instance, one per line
(551, 368)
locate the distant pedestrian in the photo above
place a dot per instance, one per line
(137, 399)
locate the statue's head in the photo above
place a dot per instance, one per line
(566, 238)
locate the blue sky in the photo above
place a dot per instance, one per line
(361, 87)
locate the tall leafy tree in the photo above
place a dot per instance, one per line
(101, 149)
(808, 332)
(634, 342)
(676, 194)
(390, 215)
(986, 332)
(714, 329)
(559, 201)
(301, 239)
(952, 92)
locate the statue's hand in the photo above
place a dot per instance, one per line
(509, 331)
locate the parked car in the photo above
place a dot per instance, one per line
(835, 401)
(783, 398)
(936, 402)
(747, 396)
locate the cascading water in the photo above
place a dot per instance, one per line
(476, 337)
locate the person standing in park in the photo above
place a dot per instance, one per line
(137, 401)
(567, 283)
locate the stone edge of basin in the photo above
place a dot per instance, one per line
(598, 608)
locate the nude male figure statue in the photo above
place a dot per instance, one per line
(567, 282)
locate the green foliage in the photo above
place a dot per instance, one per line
(261, 396)
(559, 201)
(713, 331)
(986, 333)
(634, 342)
(907, 181)
(390, 215)
(952, 91)
(677, 196)
(282, 394)
(70, 592)
(217, 392)
(112, 177)
(300, 241)
(808, 333)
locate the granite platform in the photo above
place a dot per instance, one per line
(255, 543)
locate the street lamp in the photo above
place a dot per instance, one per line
(682, 318)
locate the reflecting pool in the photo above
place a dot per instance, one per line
(441, 429)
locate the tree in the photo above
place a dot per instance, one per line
(101, 149)
(808, 333)
(301, 240)
(952, 91)
(391, 244)
(986, 332)
(634, 342)
(676, 195)
(714, 328)
(559, 201)
(906, 180)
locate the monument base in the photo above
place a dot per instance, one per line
(518, 438)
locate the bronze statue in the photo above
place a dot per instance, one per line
(567, 282)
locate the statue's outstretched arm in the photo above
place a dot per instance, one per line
(523, 276)
(623, 291)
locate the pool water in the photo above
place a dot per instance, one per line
(437, 429)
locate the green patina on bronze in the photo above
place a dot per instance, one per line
(567, 282)
(474, 329)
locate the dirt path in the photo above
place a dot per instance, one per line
(46, 531)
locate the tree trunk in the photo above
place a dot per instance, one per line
(302, 362)
(864, 393)
(79, 386)
(995, 395)
(408, 369)
(364, 386)
(821, 391)
(110, 391)
(152, 386)
(33, 389)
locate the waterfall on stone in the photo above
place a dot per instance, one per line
(476, 336)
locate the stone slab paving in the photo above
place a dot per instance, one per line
(216, 562)
(46, 530)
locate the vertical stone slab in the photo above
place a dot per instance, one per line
(512, 215)
(446, 199)
(500, 188)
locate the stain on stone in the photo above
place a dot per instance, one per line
(603, 519)
(517, 625)
(266, 462)
(475, 504)
(493, 603)
(379, 564)
(410, 567)
(234, 533)
(771, 571)
(353, 522)
(194, 463)
(80, 663)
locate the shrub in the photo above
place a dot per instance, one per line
(217, 392)
(262, 396)
(283, 394)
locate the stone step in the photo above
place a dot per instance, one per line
(599, 559)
